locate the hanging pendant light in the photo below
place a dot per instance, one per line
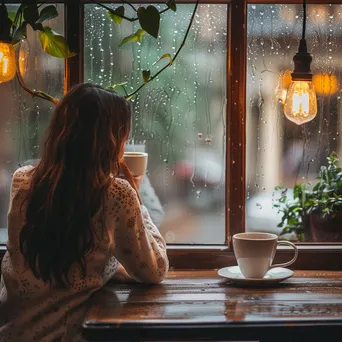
(301, 102)
(7, 51)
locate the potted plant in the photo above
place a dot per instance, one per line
(314, 212)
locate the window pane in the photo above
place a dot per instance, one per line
(280, 152)
(179, 119)
(24, 119)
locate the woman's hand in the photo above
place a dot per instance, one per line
(122, 276)
(137, 180)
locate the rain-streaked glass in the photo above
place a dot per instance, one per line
(279, 152)
(23, 119)
(179, 119)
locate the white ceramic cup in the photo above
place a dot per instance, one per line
(136, 162)
(255, 252)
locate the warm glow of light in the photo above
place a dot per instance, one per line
(7, 62)
(325, 84)
(288, 13)
(318, 13)
(22, 61)
(286, 78)
(301, 102)
(284, 82)
(282, 96)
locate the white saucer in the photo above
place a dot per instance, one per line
(273, 276)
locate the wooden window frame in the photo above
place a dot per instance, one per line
(311, 256)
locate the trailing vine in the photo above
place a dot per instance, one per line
(32, 13)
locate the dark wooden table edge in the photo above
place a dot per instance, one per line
(288, 331)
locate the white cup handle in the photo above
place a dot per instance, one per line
(285, 264)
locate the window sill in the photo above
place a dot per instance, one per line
(311, 257)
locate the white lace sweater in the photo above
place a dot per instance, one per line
(31, 310)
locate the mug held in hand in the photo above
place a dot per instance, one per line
(136, 162)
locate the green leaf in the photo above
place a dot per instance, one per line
(17, 15)
(117, 14)
(292, 221)
(129, 98)
(279, 187)
(11, 16)
(149, 19)
(297, 191)
(135, 37)
(333, 157)
(48, 13)
(118, 85)
(166, 55)
(172, 5)
(283, 199)
(31, 13)
(20, 33)
(146, 75)
(287, 230)
(54, 44)
(339, 185)
(315, 188)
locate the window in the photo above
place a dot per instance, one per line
(179, 119)
(227, 82)
(23, 119)
(278, 151)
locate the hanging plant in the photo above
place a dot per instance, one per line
(30, 12)
(149, 20)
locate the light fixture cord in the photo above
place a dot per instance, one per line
(304, 19)
(2, 24)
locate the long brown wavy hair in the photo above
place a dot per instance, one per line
(84, 147)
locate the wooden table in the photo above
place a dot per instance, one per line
(200, 305)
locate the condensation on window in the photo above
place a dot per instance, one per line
(23, 119)
(179, 118)
(278, 151)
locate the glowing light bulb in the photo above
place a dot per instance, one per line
(301, 102)
(7, 62)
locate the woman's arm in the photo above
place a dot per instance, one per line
(122, 276)
(139, 247)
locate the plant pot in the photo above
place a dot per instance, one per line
(328, 229)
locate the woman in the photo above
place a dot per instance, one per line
(72, 222)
